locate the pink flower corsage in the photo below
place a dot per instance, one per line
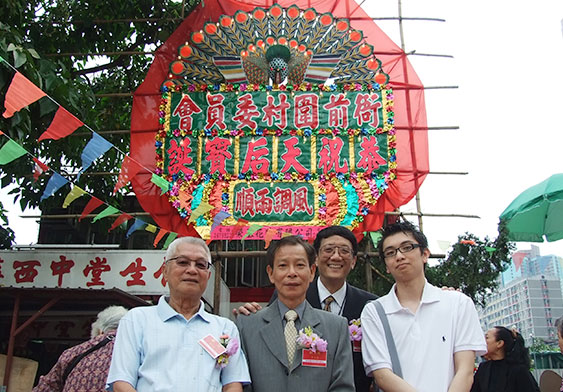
(309, 340)
(231, 344)
(355, 329)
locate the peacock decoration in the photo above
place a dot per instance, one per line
(275, 47)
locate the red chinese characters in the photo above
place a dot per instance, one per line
(276, 113)
(370, 159)
(159, 273)
(366, 110)
(246, 111)
(136, 270)
(330, 156)
(337, 111)
(215, 111)
(257, 157)
(306, 113)
(96, 268)
(180, 157)
(282, 201)
(217, 154)
(184, 110)
(61, 267)
(290, 155)
(26, 271)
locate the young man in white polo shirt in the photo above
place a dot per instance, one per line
(436, 332)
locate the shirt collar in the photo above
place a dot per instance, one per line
(166, 312)
(299, 309)
(338, 295)
(429, 294)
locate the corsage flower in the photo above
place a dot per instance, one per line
(310, 340)
(231, 344)
(355, 329)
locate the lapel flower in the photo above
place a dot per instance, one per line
(310, 340)
(355, 329)
(231, 344)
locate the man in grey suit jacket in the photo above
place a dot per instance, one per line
(337, 251)
(291, 268)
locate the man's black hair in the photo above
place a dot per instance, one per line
(290, 241)
(339, 231)
(402, 227)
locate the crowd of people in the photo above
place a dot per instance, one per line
(319, 333)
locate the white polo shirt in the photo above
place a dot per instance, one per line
(445, 322)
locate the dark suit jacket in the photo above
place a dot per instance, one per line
(509, 378)
(262, 340)
(356, 299)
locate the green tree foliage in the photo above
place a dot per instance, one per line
(7, 235)
(474, 265)
(48, 42)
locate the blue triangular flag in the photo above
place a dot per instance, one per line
(136, 226)
(55, 183)
(218, 218)
(96, 147)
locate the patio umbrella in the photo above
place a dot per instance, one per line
(537, 212)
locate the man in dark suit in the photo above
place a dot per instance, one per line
(337, 251)
(276, 362)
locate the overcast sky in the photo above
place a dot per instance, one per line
(508, 64)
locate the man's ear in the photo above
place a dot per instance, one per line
(313, 270)
(270, 272)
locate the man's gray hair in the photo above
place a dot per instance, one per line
(171, 251)
(559, 325)
(108, 320)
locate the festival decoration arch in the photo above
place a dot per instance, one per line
(252, 141)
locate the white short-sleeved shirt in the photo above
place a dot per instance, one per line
(156, 349)
(445, 322)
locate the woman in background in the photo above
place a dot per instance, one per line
(508, 366)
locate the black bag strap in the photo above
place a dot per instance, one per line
(390, 341)
(79, 357)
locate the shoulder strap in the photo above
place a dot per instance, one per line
(79, 357)
(390, 341)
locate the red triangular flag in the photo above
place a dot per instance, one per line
(159, 236)
(39, 168)
(20, 94)
(120, 219)
(129, 168)
(518, 258)
(269, 236)
(63, 124)
(91, 206)
(236, 231)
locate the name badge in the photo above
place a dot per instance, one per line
(357, 346)
(212, 346)
(314, 359)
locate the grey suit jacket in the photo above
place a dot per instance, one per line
(263, 342)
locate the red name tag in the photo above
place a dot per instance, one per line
(357, 346)
(212, 346)
(317, 359)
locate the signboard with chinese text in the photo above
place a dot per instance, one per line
(135, 272)
(278, 159)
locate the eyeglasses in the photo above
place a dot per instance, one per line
(406, 248)
(329, 250)
(185, 263)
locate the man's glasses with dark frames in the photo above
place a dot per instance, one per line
(184, 263)
(406, 248)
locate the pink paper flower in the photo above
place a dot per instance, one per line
(309, 340)
(232, 346)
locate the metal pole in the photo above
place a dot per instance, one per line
(10, 353)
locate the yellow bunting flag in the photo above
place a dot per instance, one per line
(201, 209)
(151, 228)
(74, 194)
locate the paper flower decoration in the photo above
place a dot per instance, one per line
(309, 340)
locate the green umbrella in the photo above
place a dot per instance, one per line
(536, 212)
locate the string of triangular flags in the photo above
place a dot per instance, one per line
(23, 92)
(11, 151)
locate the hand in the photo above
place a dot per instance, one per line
(247, 308)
